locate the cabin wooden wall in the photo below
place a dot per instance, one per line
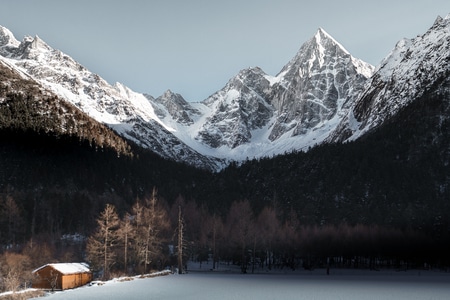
(75, 280)
(44, 276)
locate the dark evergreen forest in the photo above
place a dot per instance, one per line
(380, 200)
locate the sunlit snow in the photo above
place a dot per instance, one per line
(411, 68)
(238, 121)
(341, 284)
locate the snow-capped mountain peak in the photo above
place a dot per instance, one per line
(292, 110)
(7, 41)
(323, 39)
(323, 94)
(236, 110)
(315, 86)
(7, 38)
(411, 68)
(254, 115)
(440, 22)
(129, 113)
(174, 109)
(313, 53)
(38, 44)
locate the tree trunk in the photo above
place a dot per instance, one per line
(214, 243)
(105, 251)
(180, 242)
(125, 253)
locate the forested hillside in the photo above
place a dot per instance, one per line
(379, 201)
(59, 167)
(24, 106)
(396, 176)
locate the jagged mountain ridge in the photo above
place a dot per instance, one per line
(257, 115)
(314, 86)
(412, 68)
(244, 119)
(236, 110)
(127, 112)
(175, 105)
(25, 107)
(322, 95)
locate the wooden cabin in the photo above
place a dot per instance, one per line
(62, 276)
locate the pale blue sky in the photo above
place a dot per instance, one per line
(194, 46)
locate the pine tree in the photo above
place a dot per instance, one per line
(11, 221)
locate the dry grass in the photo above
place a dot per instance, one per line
(23, 295)
(156, 274)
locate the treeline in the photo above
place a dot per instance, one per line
(131, 244)
(396, 177)
(60, 184)
(25, 106)
(52, 116)
(378, 201)
(145, 238)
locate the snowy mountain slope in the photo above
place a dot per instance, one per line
(174, 104)
(236, 110)
(254, 115)
(323, 94)
(318, 83)
(412, 67)
(257, 115)
(25, 107)
(127, 112)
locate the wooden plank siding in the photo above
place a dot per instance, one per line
(50, 277)
(75, 280)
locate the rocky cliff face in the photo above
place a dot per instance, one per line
(412, 68)
(173, 105)
(26, 108)
(254, 115)
(129, 113)
(312, 91)
(323, 94)
(317, 85)
(238, 109)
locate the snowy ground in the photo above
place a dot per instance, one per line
(340, 284)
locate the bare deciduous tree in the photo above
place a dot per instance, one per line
(214, 225)
(16, 269)
(240, 226)
(268, 230)
(100, 246)
(53, 280)
(126, 235)
(180, 241)
(151, 219)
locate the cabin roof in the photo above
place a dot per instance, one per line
(67, 268)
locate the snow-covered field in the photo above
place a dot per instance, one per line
(340, 284)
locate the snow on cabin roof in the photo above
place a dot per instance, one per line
(67, 268)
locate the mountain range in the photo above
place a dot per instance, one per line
(359, 147)
(323, 95)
